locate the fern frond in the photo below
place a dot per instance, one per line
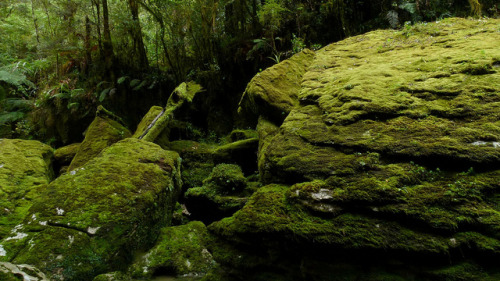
(11, 117)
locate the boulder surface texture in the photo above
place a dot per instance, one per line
(388, 165)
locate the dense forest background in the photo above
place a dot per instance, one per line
(60, 59)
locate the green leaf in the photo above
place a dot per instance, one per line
(134, 83)
(122, 79)
(77, 92)
(101, 83)
(143, 83)
(103, 94)
(73, 105)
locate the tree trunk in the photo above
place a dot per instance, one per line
(88, 54)
(98, 26)
(137, 34)
(35, 21)
(107, 45)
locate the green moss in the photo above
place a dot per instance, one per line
(239, 134)
(102, 132)
(24, 167)
(459, 272)
(227, 178)
(181, 249)
(91, 220)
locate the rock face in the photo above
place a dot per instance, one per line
(392, 153)
(25, 166)
(92, 219)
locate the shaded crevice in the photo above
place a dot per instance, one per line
(444, 162)
(152, 124)
(70, 227)
(407, 221)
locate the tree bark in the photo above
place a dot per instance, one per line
(107, 45)
(35, 21)
(88, 51)
(136, 33)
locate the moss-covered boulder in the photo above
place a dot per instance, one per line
(105, 130)
(25, 166)
(223, 192)
(181, 250)
(392, 153)
(93, 219)
(158, 130)
(274, 92)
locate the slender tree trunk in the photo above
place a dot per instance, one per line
(88, 54)
(48, 18)
(137, 34)
(159, 20)
(98, 26)
(107, 45)
(35, 21)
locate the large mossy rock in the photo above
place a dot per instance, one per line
(274, 92)
(93, 219)
(105, 130)
(392, 153)
(25, 166)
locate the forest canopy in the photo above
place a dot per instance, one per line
(59, 59)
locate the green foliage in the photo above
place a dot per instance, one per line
(297, 44)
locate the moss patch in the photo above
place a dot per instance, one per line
(24, 167)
